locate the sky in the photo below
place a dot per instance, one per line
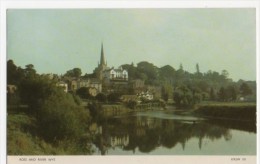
(57, 40)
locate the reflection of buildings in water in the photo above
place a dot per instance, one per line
(121, 141)
(140, 132)
(94, 128)
(147, 122)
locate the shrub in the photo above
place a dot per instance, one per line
(60, 118)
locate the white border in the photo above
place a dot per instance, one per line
(115, 4)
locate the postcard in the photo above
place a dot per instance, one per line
(134, 83)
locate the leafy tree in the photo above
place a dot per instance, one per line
(245, 89)
(212, 94)
(232, 92)
(185, 97)
(11, 72)
(222, 95)
(75, 72)
(149, 70)
(225, 74)
(166, 91)
(29, 71)
(167, 71)
(83, 93)
(59, 117)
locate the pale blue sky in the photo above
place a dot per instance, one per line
(55, 41)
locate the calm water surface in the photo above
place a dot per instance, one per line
(166, 133)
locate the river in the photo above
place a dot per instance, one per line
(169, 133)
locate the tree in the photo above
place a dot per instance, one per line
(225, 74)
(75, 72)
(29, 71)
(245, 89)
(181, 67)
(212, 94)
(149, 70)
(11, 72)
(83, 93)
(232, 92)
(59, 117)
(167, 72)
(185, 97)
(222, 95)
(197, 68)
(166, 90)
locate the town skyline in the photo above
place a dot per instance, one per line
(55, 41)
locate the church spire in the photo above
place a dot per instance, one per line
(102, 58)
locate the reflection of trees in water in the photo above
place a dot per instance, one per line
(146, 134)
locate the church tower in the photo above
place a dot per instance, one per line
(102, 57)
(102, 66)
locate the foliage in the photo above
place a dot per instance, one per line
(62, 117)
(75, 72)
(245, 89)
(23, 140)
(166, 90)
(113, 97)
(228, 93)
(83, 93)
(186, 97)
(101, 97)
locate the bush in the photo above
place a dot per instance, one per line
(60, 118)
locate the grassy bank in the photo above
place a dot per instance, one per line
(23, 137)
(117, 109)
(235, 111)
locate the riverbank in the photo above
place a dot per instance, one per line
(234, 111)
(117, 109)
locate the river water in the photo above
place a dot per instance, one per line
(169, 133)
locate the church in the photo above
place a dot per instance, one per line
(106, 74)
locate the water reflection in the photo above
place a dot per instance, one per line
(147, 134)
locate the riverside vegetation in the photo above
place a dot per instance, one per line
(43, 119)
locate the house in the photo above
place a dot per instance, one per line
(145, 95)
(116, 74)
(75, 84)
(63, 85)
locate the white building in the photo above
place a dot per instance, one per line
(116, 74)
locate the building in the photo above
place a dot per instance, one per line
(103, 72)
(113, 80)
(102, 66)
(63, 85)
(119, 74)
(75, 84)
